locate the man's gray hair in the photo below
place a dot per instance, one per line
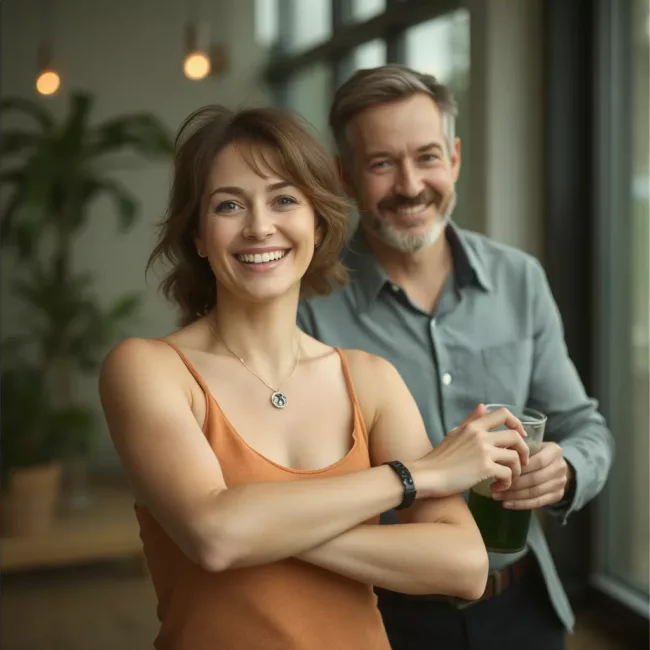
(382, 85)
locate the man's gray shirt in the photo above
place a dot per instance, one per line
(496, 337)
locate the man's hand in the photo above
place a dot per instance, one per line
(471, 453)
(542, 482)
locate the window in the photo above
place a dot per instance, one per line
(311, 23)
(623, 287)
(629, 546)
(441, 47)
(361, 10)
(369, 55)
(636, 569)
(309, 95)
(322, 42)
(266, 21)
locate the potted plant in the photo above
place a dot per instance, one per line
(53, 172)
(35, 434)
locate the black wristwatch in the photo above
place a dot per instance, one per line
(407, 483)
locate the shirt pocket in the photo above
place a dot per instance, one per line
(507, 372)
(462, 382)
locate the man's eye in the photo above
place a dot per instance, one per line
(379, 164)
(430, 157)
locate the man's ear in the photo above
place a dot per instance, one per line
(455, 160)
(343, 177)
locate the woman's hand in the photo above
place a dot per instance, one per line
(472, 453)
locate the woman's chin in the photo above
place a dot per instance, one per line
(260, 294)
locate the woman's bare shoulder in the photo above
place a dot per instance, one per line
(357, 359)
(367, 364)
(134, 351)
(136, 363)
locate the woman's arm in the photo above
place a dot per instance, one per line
(177, 476)
(438, 548)
(436, 552)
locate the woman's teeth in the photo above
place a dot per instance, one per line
(260, 258)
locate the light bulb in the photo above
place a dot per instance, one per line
(196, 65)
(48, 82)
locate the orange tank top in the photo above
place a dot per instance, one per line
(285, 605)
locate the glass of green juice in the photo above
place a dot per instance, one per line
(503, 530)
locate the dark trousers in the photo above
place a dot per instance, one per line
(520, 618)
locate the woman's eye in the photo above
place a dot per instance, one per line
(226, 206)
(284, 201)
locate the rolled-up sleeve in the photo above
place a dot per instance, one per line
(574, 421)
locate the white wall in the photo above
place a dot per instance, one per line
(506, 121)
(129, 54)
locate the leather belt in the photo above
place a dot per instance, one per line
(497, 583)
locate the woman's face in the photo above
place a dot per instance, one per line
(257, 232)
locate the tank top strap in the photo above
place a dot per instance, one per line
(190, 366)
(358, 413)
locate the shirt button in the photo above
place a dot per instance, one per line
(446, 379)
(394, 287)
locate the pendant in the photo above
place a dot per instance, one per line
(279, 400)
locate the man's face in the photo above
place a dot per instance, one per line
(402, 173)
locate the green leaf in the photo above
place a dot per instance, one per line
(13, 176)
(141, 132)
(124, 308)
(28, 107)
(71, 429)
(15, 142)
(22, 225)
(27, 212)
(125, 203)
(75, 128)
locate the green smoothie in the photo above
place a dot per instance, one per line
(504, 530)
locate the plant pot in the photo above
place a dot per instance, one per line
(30, 503)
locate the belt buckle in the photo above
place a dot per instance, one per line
(497, 583)
(461, 604)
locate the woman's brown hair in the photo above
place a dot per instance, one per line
(286, 147)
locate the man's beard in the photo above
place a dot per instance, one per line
(402, 241)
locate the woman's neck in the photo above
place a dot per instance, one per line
(265, 335)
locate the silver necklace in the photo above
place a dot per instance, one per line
(278, 398)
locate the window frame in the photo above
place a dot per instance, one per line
(389, 26)
(588, 106)
(612, 274)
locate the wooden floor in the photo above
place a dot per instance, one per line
(109, 607)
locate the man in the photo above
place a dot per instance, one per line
(465, 320)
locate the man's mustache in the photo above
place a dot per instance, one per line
(396, 201)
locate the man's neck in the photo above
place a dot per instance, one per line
(422, 274)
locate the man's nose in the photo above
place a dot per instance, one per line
(409, 183)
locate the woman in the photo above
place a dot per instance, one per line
(257, 454)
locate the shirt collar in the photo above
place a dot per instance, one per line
(370, 278)
(367, 275)
(468, 266)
